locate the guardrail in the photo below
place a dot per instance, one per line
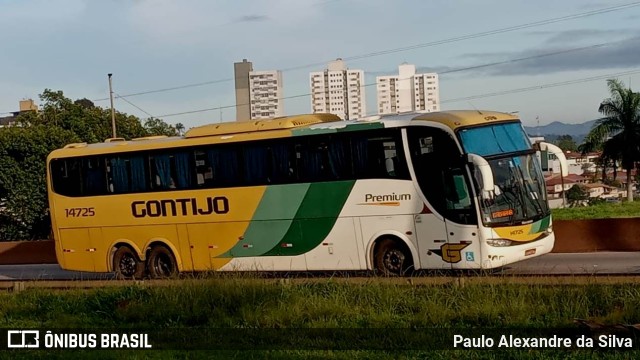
(572, 236)
(27, 252)
(577, 236)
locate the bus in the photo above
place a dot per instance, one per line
(391, 194)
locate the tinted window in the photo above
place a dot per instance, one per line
(332, 157)
(441, 174)
(494, 139)
(67, 177)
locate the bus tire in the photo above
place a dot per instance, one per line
(161, 263)
(127, 265)
(392, 258)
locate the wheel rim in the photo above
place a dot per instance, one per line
(393, 260)
(128, 265)
(163, 265)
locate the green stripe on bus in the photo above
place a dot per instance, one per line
(544, 223)
(281, 202)
(271, 221)
(362, 126)
(540, 225)
(299, 132)
(315, 218)
(345, 128)
(260, 237)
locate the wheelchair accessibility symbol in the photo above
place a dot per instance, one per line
(469, 255)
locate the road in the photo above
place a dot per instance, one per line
(602, 263)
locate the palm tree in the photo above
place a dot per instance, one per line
(618, 133)
(179, 128)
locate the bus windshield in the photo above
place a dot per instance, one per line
(520, 192)
(519, 184)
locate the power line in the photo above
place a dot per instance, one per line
(498, 31)
(411, 47)
(134, 105)
(544, 86)
(441, 73)
(169, 89)
(590, 47)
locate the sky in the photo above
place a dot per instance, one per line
(547, 60)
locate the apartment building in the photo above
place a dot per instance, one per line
(259, 94)
(265, 92)
(25, 106)
(407, 91)
(338, 90)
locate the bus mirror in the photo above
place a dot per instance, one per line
(553, 149)
(483, 169)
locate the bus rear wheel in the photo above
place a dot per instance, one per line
(392, 258)
(126, 264)
(161, 263)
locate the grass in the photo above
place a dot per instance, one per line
(249, 303)
(247, 306)
(601, 211)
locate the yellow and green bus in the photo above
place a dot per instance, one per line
(441, 190)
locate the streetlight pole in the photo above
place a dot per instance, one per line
(113, 112)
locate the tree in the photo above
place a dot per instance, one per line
(155, 126)
(619, 131)
(89, 122)
(566, 143)
(577, 194)
(180, 128)
(24, 149)
(23, 189)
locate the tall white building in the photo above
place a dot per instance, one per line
(338, 90)
(265, 93)
(408, 91)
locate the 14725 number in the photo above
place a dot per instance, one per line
(80, 212)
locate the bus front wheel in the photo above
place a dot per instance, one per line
(126, 264)
(161, 263)
(392, 258)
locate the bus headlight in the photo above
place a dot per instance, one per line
(499, 242)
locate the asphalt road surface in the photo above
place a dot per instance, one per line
(602, 263)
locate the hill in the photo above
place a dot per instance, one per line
(553, 130)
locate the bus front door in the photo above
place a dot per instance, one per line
(463, 247)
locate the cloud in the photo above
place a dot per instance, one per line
(579, 35)
(170, 21)
(555, 57)
(40, 10)
(622, 54)
(252, 18)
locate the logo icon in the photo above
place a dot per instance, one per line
(20, 339)
(451, 253)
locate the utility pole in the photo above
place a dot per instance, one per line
(113, 112)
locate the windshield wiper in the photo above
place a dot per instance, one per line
(536, 202)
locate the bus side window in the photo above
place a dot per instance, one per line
(127, 174)
(182, 169)
(66, 175)
(256, 163)
(95, 176)
(312, 160)
(281, 163)
(339, 158)
(383, 157)
(204, 171)
(458, 197)
(224, 161)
